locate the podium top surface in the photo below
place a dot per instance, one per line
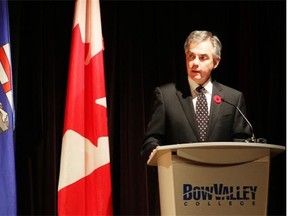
(217, 152)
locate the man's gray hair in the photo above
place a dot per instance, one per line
(200, 36)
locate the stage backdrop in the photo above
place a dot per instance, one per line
(143, 49)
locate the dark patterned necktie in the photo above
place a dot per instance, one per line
(202, 112)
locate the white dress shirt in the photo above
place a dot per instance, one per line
(208, 92)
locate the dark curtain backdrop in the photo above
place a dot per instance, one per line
(143, 48)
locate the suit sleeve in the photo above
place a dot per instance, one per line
(155, 131)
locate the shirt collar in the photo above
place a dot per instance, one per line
(193, 85)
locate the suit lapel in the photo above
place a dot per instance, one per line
(215, 108)
(188, 108)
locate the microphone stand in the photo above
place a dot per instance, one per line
(253, 137)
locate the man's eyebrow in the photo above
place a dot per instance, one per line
(203, 54)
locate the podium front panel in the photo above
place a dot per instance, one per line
(209, 189)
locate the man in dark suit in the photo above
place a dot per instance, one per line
(174, 117)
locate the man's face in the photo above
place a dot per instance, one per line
(200, 62)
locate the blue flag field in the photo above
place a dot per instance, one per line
(8, 204)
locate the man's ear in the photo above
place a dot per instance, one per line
(216, 62)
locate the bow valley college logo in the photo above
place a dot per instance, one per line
(218, 195)
(4, 119)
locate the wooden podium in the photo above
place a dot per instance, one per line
(214, 178)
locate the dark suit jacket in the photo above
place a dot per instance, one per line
(173, 118)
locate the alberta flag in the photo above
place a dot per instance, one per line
(85, 181)
(7, 161)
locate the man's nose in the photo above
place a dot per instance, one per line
(195, 62)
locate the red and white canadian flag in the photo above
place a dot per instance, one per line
(85, 176)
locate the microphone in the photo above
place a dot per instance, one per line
(217, 99)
